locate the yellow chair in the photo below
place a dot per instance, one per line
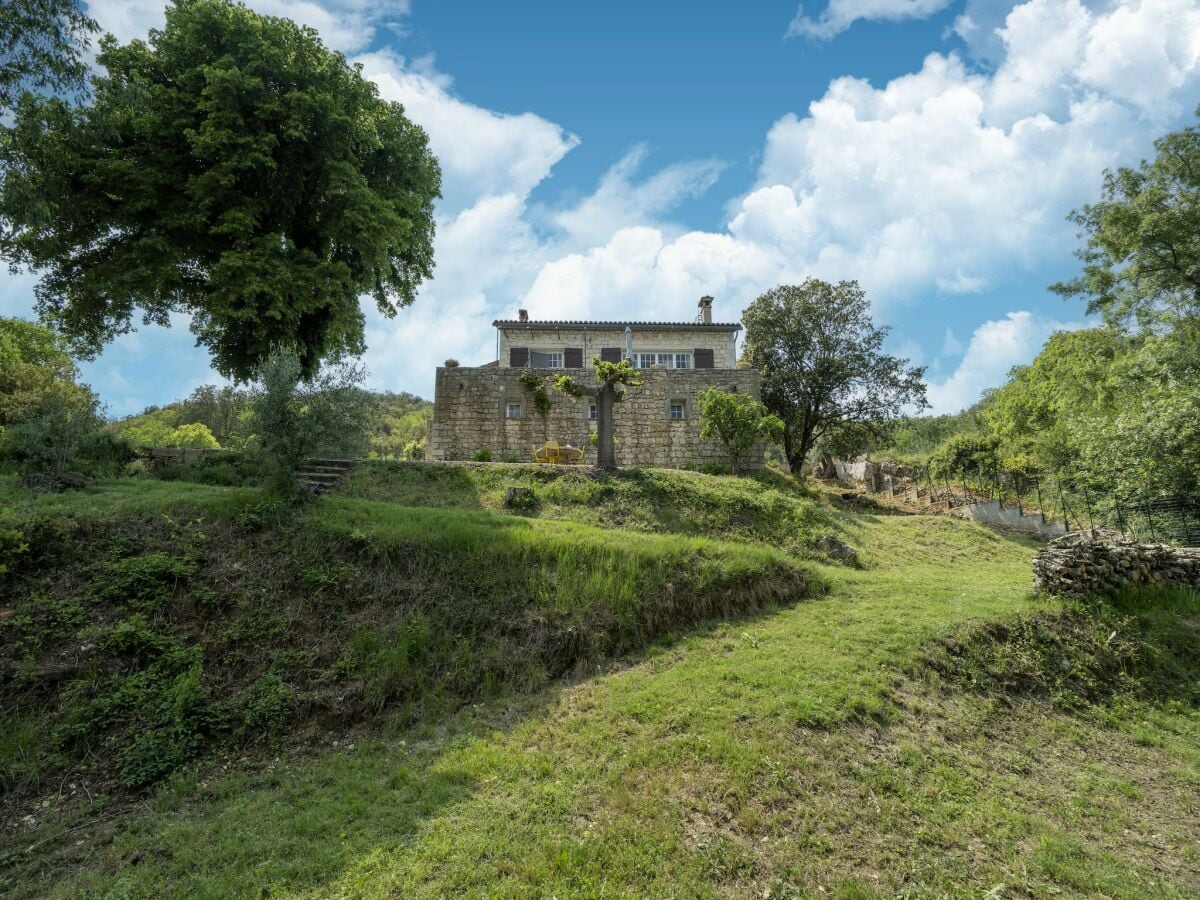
(540, 455)
(553, 451)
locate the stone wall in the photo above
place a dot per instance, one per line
(1080, 567)
(721, 341)
(470, 408)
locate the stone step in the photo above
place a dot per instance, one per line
(324, 477)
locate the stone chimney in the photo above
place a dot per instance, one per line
(705, 316)
(522, 315)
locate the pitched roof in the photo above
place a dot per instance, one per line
(550, 325)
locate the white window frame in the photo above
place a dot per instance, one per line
(673, 405)
(591, 411)
(662, 359)
(510, 406)
(554, 359)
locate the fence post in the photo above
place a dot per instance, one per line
(1087, 499)
(1017, 485)
(1037, 486)
(1149, 521)
(1063, 500)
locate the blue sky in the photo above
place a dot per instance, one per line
(621, 159)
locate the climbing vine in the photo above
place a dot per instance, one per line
(536, 388)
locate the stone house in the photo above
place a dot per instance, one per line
(487, 407)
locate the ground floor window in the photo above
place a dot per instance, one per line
(591, 410)
(514, 410)
(678, 409)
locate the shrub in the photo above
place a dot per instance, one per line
(142, 582)
(483, 456)
(264, 709)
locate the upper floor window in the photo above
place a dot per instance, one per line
(672, 360)
(552, 359)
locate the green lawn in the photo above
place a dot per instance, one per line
(805, 751)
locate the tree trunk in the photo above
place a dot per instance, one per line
(606, 457)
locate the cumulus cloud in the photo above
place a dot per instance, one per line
(839, 15)
(994, 348)
(345, 25)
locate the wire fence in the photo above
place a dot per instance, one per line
(1060, 498)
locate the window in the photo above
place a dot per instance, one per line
(591, 410)
(670, 360)
(546, 360)
(678, 409)
(514, 410)
(554, 360)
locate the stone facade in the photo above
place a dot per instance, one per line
(471, 412)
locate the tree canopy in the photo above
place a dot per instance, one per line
(738, 421)
(232, 169)
(1141, 259)
(822, 363)
(42, 43)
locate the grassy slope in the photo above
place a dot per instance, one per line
(802, 751)
(772, 511)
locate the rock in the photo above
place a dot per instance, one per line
(835, 548)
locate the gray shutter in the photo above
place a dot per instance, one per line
(610, 354)
(573, 358)
(518, 357)
(703, 358)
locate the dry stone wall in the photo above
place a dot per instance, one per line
(470, 414)
(1080, 567)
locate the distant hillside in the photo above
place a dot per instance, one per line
(220, 417)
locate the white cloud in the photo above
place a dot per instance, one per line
(620, 201)
(345, 25)
(481, 152)
(995, 347)
(951, 345)
(839, 15)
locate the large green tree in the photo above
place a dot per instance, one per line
(1141, 257)
(233, 169)
(822, 363)
(42, 43)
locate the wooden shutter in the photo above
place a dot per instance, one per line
(573, 358)
(610, 354)
(703, 358)
(518, 357)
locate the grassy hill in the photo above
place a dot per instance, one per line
(409, 690)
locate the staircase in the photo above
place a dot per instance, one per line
(319, 474)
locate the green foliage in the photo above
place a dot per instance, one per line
(50, 440)
(296, 419)
(153, 430)
(738, 421)
(43, 45)
(484, 455)
(822, 363)
(536, 388)
(264, 710)
(145, 583)
(231, 168)
(1142, 248)
(966, 456)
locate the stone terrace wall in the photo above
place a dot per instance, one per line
(1079, 567)
(470, 404)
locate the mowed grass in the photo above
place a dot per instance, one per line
(801, 752)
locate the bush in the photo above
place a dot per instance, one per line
(483, 456)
